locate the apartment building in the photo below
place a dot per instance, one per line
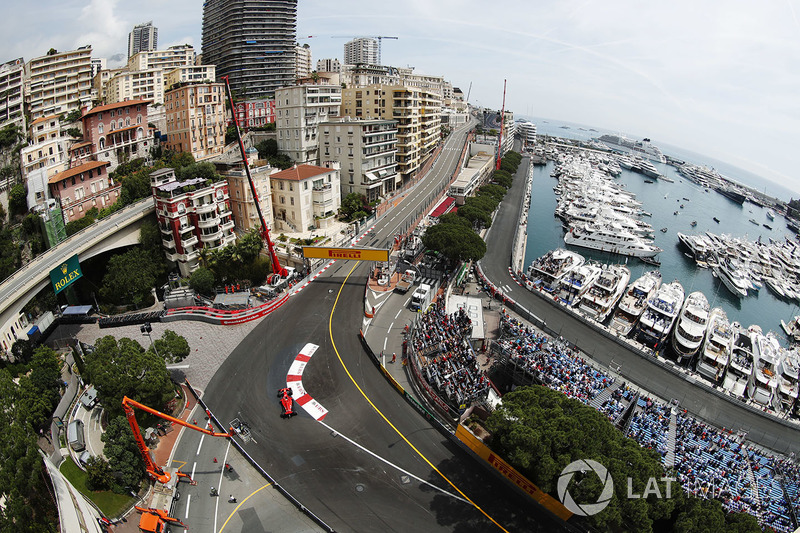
(255, 113)
(196, 119)
(253, 43)
(302, 59)
(45, 156)
(477, 172)
(181, 55)
(190, 74)
(143, 38)
(299, 110)
(83, 187)
(305, 197)
(365, 150)
(147, 84)
(59, 82)
(114, 133)
(362, 50)
(328, 65)
(243, 207)
(12, 81)
(418, 116)
(192, 214)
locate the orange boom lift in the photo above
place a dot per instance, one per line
(156, 520)
(153, 470)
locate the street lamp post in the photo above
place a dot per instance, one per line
(146, 328)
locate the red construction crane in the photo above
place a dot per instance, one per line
(153, 470)
(502, 127)
(273, 257)
(156, 520)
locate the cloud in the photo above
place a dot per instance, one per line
(101, 27)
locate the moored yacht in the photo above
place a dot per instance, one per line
(550, 269)
(741, 363)
(577, 282)
(610, 237)
(717, 347)
(690, 329)
(732, 276)
(763, 382)
(647, 168)
(788, 380)
(601, 297)
(634, 301)
(662, 310)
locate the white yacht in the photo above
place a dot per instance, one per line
(642, 148)
(610, 237)
(625, 162)
(647, 168)
(634, 301)
(601, 297)
(550, 269)
(741, 363)
(662, 310)
(690, 329)
(763, 383)
(788, 380)
(577, 282)
(717, 347)
(770, 214)
(733, 277)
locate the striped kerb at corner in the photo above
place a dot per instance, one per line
(294, 380)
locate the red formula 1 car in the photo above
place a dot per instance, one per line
(285, 395)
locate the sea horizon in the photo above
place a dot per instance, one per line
(730, 171)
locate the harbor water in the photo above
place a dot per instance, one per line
(692, 204)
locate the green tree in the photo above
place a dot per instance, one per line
(10, 135)
(699, 515)
(267, 148)
(474, 214)
(22, 350)
(230, 134)
(497, 192)
(453, 218)
(130, 277)
(123, 368)
(456, 242)
(135, 186)
(352, 206)
(123, 456)
(10, 257)
(172, 347)
(180, 159)
(17, 200)
(198, 170)
(98, 474)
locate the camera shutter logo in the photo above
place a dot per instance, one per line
(585, 509)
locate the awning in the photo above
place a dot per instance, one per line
(77, 310)
(443, 207)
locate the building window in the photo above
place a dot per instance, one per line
(291, 200)
(100, 128)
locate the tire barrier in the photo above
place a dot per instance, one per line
(223, 317)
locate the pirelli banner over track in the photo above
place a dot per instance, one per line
(352, 254)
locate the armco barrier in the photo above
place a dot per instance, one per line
(224, 317)
(286, 494)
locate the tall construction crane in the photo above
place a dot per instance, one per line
(153, 470)
(277, 269)
(379, 38)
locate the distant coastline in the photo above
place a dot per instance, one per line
(735, 174)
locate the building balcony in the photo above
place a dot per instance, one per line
(226, 212)
(191, 255)
(212, 236)
(227, 225)
(189, 241)
(172, 256)
(208, 222)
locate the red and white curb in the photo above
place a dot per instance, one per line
(294, 380)
(312, 278)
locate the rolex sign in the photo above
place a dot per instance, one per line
(65, 274)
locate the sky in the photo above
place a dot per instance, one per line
(720, 78)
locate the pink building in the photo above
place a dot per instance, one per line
(115, 133)
(83, 187)
(255, 113)
(193, 214)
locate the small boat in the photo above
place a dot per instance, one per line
(767, 226)
(650, 261)
(663, 230)
(686, 199)
(770, 214)
(675, 213)
(649, 181)
(716, 220)
(682, 206)
(754, 221)
(694, 223)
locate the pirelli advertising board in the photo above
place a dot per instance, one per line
(353, 254)
(65, 274)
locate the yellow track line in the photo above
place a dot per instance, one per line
(333, 343)
(240, 504)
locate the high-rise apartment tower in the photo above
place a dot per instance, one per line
(252, 42)
(143, 38)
